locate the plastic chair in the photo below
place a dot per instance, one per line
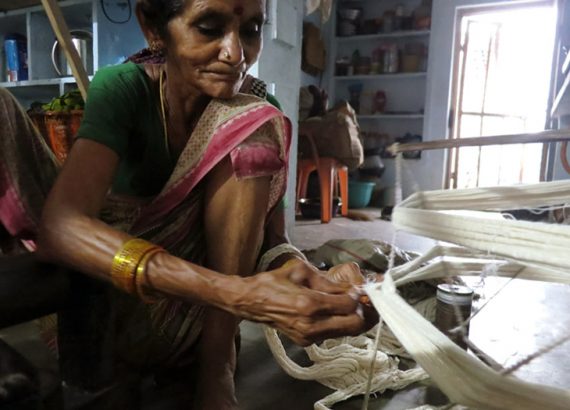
(329, 170)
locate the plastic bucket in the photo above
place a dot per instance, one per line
(359, 193)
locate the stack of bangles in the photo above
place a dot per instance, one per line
(129, 267)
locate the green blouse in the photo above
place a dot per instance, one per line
(123, 113)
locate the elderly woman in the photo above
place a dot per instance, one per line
(171, 193)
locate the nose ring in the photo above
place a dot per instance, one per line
(227, 55)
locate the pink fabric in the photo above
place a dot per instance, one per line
(13, 214)
(225, 139)
(256, 160)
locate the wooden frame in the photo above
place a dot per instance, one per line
(544, 137)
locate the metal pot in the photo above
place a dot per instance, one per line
(83, 42)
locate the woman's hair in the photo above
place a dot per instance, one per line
(158, 13)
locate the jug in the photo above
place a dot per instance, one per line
(83, 43)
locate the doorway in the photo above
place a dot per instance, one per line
(502, 68)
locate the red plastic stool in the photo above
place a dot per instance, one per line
(329, 169)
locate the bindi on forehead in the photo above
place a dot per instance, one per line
(238, 10)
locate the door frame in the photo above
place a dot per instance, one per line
(452, 163)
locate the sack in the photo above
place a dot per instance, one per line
(368, 254)
(336, 135)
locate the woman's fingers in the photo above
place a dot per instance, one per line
(307, 331)
(347, 273)
(306, 305)
(315, 303)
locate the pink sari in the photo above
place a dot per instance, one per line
(252, 132)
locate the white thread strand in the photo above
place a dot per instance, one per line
(522, 249)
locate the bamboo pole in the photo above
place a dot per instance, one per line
(543, 136)
(62, 33)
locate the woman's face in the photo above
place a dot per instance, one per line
(212, 43)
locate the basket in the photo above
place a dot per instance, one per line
(59, 130)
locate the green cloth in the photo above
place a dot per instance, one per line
(123, 113)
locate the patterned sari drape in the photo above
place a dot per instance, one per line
(253, 133)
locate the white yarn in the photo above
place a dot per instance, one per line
(450, 366)
(342, 364)
(529, 250)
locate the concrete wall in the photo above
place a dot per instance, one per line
(280, 67)
(116, 41)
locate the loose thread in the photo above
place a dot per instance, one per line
(536, 354)
(391, 259)
(371, 369)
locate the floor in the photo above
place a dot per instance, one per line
(521, 319)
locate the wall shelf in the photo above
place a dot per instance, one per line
(382, 36)
(111, 43)
(391, 117)
(35, 83)
(379, 76)
(9, 7)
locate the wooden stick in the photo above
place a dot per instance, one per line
(62, 33)
(544, 136)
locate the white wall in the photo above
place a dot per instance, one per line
(117, 41)
(280, 66)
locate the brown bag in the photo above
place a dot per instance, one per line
(336, 135)
(314, 53)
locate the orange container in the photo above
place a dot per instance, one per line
(74, 123)
(59, 129)
(58, 133)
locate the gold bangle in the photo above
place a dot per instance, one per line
(141, 272)
(126, 261)
(290, 262)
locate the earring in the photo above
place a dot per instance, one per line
(155, 47)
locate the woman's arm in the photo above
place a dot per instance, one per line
(71, 233)
(294, 299)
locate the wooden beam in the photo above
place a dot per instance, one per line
(544, 136)
(62, 33)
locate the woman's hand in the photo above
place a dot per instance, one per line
(301, 302)
(350, 275)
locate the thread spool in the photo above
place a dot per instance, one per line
(449, 299)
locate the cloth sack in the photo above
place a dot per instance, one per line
(336, 135)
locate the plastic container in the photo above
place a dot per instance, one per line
(359, 193)
(59, 129)
(453, 300)
(15, 49)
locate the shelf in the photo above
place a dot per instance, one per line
(391, 117)
(8, 8)
(380, 36)
(36, 83)
(379, 76)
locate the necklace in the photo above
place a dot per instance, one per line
(163, 111)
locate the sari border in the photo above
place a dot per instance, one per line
(13, 214)
(226, 137)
